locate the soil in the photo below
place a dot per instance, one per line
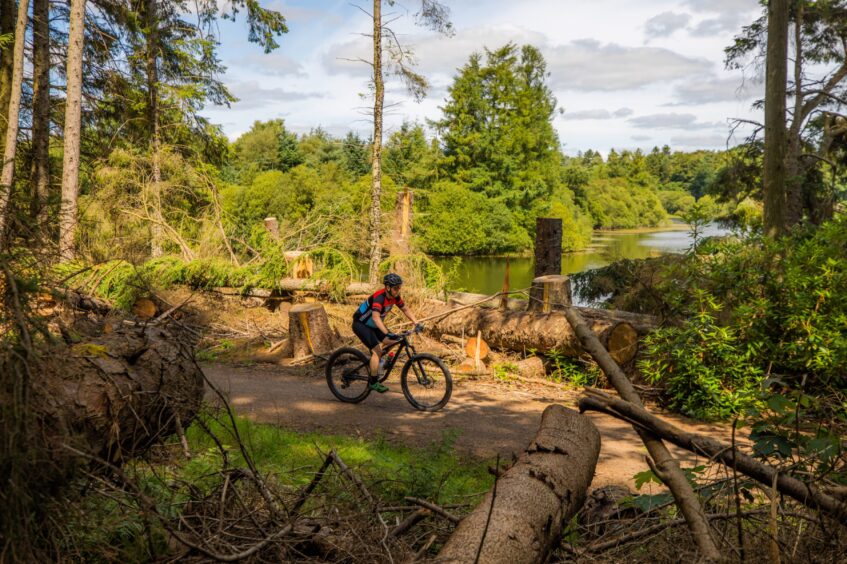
(490, 417)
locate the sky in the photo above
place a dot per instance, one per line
(626, 74)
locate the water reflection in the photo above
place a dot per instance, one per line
(484, 275)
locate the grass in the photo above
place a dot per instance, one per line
(393, 471)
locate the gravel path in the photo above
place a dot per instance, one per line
(490, 417)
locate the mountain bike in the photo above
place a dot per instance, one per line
(425, 380)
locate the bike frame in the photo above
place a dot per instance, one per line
(403, 345)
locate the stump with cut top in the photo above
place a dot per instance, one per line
(549, 293)
(309, 331)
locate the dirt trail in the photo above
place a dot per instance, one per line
(490, 417)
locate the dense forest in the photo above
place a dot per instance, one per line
(117, 196)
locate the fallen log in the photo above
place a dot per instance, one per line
(642, 323)
(665, 466)
(544, 332)
(808, 495)
(115, 395)
(521, 519)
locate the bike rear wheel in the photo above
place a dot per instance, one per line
(426, 382)
(347, 375)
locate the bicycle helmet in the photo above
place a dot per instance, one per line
(392, 279)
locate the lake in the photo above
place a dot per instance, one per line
(484, 275)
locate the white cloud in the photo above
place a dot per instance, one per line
(588, 65)
(664, 24)
(714, 89)
(670, 121)
(706, 141)
(251, 95)
(276, 64)
(597, 114)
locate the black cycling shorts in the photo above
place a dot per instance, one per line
(370, 336)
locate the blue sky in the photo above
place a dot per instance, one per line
(628, 74)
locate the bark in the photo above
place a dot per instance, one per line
(376, 165)
(153, 123)
(7, 177)
(72, 131)
(549, 293)
(774, 175)
(808, 495)
(794, 168)
(8, 10)
(116, 395)
(520, 331)
(521, 519)
(548, 246)
(402, 233)
(642, 323)
(309, 331)
(40, 105)
(664, 465)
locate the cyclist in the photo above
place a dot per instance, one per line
(369, 326)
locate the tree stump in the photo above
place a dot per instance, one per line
(300, 264)
(549, 293)
(548, 246)
(144, 309)
(531, 367)
(309, 331)
(272, 225)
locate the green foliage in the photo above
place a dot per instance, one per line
(615, 203)
(706, 370)
(751, 308)
(574, 371)
(505, 371)
(461, 221)
(266, 146)
(418, 270)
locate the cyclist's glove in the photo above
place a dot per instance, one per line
(419, 327)
(393, 336)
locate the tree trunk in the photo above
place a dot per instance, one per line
(117, 394)
(548, 246)
(549, 293)
(8, 9)
(665, 466)
(376, 165)
(795, 170)
(40, 105)
(7, 178)
(773, 174)
(402, 233)
(521, 519)
(153, 123)
(520, 331)
(72, 131)
(810, 496)
(309, 331)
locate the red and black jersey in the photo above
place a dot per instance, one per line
(380, 301)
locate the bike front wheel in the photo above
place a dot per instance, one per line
(347, 375)
(426, 382)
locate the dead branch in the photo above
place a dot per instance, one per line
(806, 494)
(667, 467)
(434, 508)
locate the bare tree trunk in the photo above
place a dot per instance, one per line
(794, 169)
(73, 131)
(521, 519)
(40, 105)
(775, 133)
(376, 170)
(8, 10)
(153, 122)
(7, 178)
(665, 466)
